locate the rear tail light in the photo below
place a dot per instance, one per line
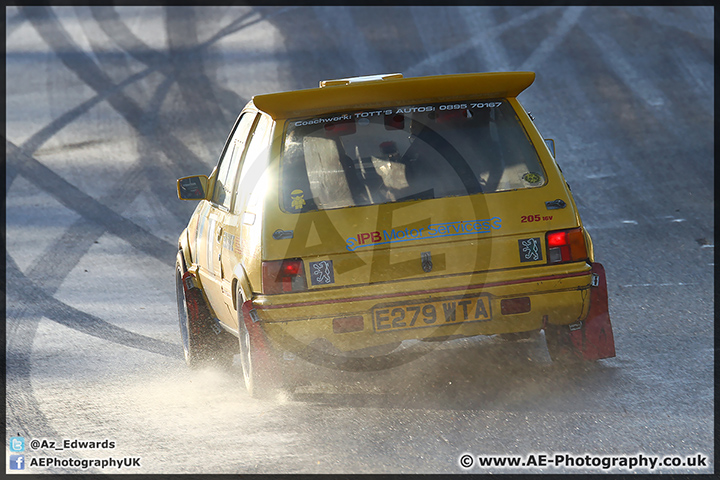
(283, 276)
(566, 246)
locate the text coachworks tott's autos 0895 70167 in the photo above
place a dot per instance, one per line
(373, 210)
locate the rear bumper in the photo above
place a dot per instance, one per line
(555, 294)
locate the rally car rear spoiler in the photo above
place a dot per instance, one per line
(382, 89)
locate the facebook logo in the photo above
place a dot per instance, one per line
(17, 462)
(17, 444)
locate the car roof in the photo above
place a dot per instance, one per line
(386, 90)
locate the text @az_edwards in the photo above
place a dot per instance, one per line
(75, 444)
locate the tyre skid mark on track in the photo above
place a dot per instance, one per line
(47, 132)
(82, 203)
(439, 58)
(96, 220)
(157, 176)
(352, 51)
(22, 403)
(148, 123)
(685, 23)
(25, 293)
(23, 409)
(87, 70)
(194, 84)
(182, 158)
(28, 304)
(52, 32)
(91, 210)
(110, 22)
(53, 265)
(110, 89)
(104, 88)
(615, 58)
(12, 23)
(172, 65)
(490, 52)
(549, 44)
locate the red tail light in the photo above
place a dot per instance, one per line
(283, 276)
(566, 246)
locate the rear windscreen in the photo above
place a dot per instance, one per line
(406, 153)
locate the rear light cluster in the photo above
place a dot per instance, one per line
(566, 246)
(283, 276)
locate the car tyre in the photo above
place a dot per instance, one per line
(201, 346)
(257, 360)
(559, 345)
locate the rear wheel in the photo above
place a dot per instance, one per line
(201, 346)
(560, 346)
(257, 359)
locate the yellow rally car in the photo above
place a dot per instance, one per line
(373, 210)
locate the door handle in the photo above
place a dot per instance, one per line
(219, 234)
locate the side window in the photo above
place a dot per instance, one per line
(228, 166)
(252, 166)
